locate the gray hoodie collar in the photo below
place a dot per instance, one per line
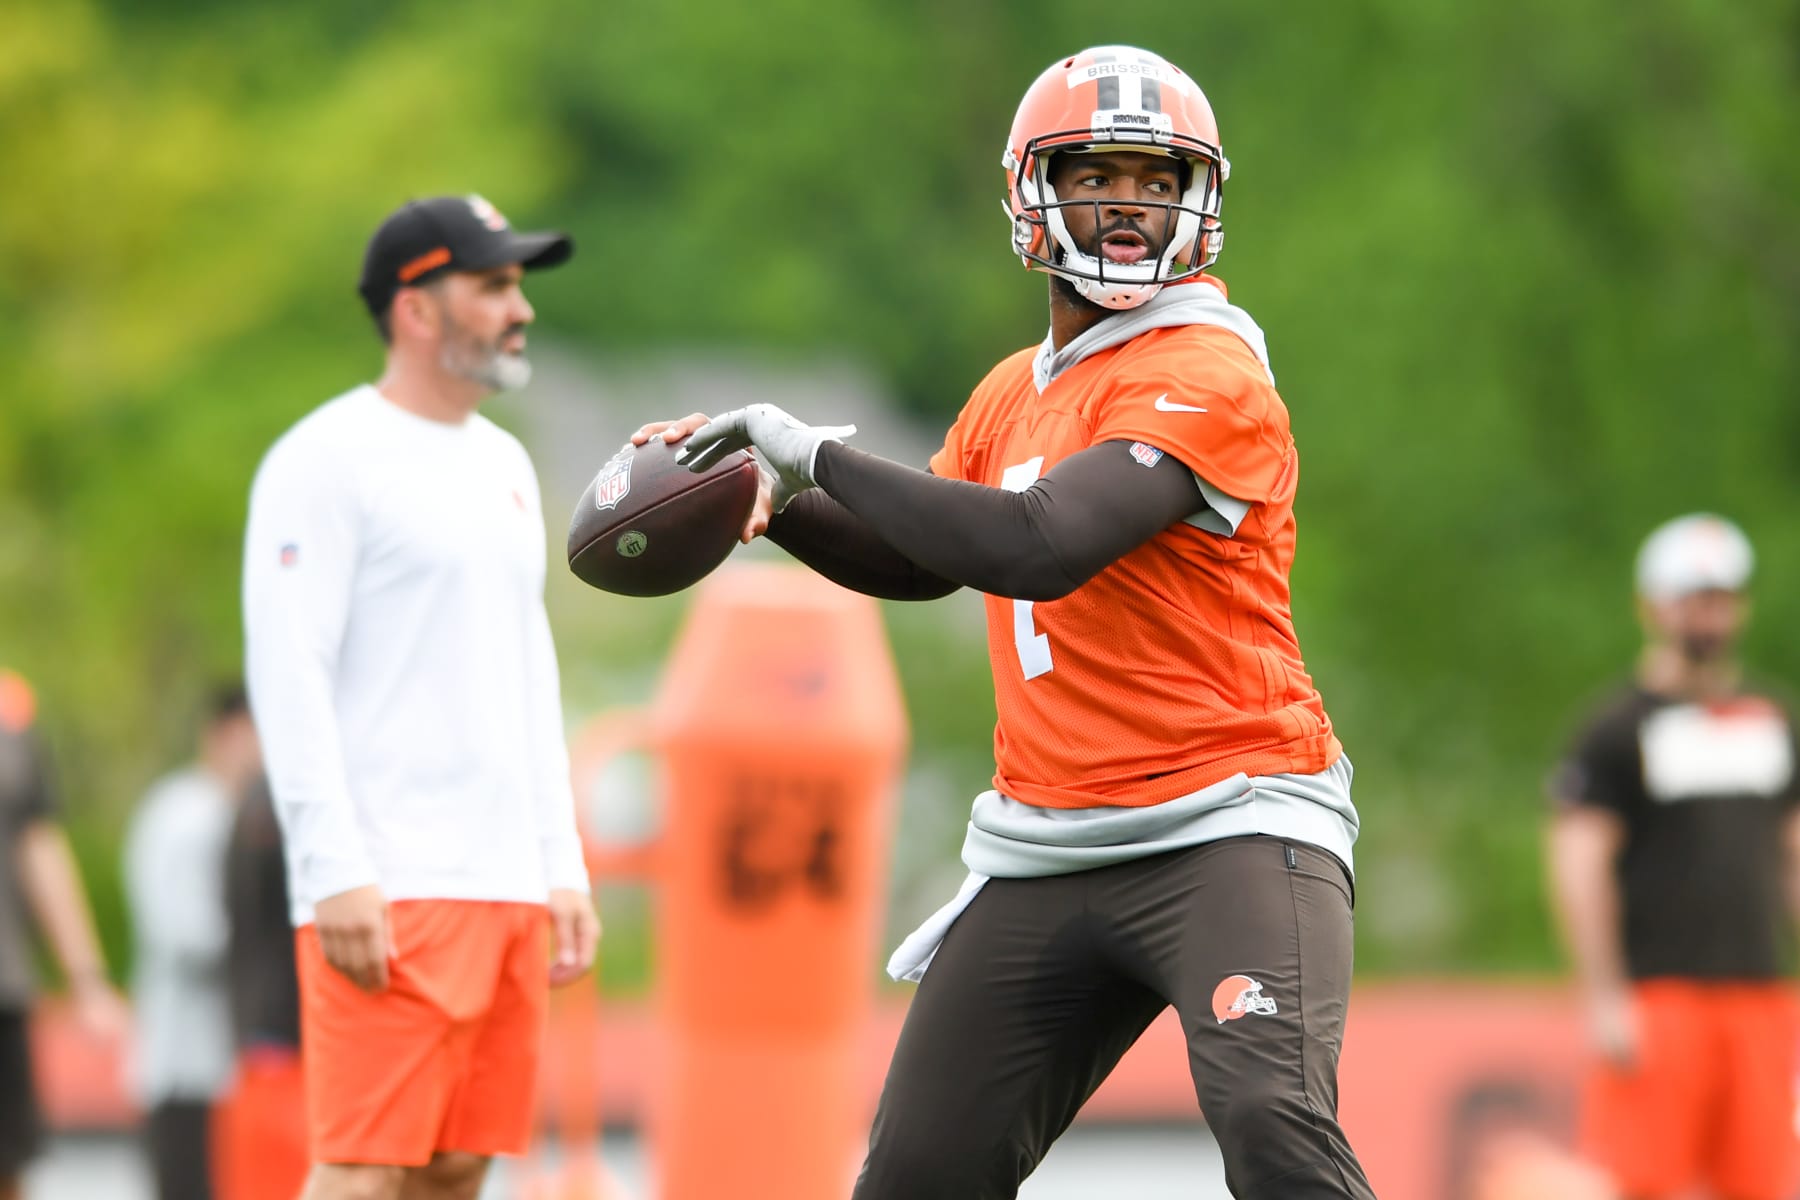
(1196, 303)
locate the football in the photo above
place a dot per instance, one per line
(648, 526)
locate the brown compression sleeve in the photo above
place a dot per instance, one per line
(839, 545)
(1039, 544)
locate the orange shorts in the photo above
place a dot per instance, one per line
(446, 1057)
(1711, 1098)
(259, 1128)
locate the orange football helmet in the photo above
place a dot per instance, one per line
(1114, 98)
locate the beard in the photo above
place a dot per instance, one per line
(481, 361)
(1704, 649)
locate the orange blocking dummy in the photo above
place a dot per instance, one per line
(259, 1129)
(781, 731)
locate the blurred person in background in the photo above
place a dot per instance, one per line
(1673, 850)
(174, 860)
(405, 685)
(261, 1147)
(37, 868)
(1171, 822)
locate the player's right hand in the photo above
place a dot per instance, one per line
(1613, 1026)
(355, 935)
(669, 431)
(674, 431)
(101, 1011)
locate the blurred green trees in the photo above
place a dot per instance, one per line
(1530, 273)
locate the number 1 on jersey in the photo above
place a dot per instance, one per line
(1033, 647)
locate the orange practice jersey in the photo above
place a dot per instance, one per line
(1177, 666)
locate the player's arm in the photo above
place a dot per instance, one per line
(1040, 543)
(1586, 836)
(1583, 856)
(554, 800)
(1790, 866)
(50, 885)
(1790, 828)
(300, 551)
(844, 548)
(574, 924)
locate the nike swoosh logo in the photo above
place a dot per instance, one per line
(1164, 404)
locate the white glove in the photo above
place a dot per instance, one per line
(789, 447)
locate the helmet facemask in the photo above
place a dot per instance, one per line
(1189, 225)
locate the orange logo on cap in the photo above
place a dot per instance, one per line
(424, 263)
(487, 214)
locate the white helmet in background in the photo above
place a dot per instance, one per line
(1696, 553)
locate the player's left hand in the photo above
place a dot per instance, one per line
(575, 934)
(789, 446)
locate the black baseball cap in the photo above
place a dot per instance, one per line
(423, 239)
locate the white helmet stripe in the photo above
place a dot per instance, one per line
(1131, 93)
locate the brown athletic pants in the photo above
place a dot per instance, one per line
(1042, 984)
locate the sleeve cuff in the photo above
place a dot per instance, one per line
(327, 877)
(565, 869)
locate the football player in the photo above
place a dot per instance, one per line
(1674, 843)
(404, 683)
(1170, 821)
(40, 885)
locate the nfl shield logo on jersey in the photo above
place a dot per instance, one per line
(1146, 454)
(614, 480)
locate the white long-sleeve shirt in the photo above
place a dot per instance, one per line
(175, 882)
(399, 660)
